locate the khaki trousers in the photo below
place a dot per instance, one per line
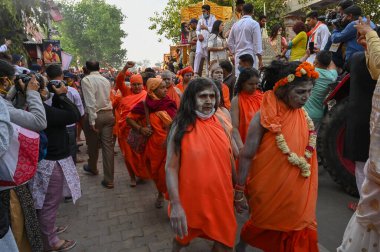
(191, 59)
(104, 124)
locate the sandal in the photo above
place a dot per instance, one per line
(67, 245)
(60, 230)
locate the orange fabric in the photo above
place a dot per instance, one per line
(205, 182)
(305, 240)
(227, 121)
(155, 150)
(226, 96)
(115, 97)
(186, 70)
(134, 162)
(172, 93)
(249, 104)
(120, 84)
(181, 87)
(289, 203)
(136, 78)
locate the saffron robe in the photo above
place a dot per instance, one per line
(249, 104)
(282, 201)
(205, 183)
(172, 93)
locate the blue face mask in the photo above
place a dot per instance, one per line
(241, 68)
(206, 16)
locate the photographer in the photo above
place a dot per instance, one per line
(348, 35)
(34, 119)
(56, 173)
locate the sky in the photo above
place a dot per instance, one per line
(141, 42)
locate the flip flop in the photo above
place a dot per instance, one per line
(67, 245)
(60, 230)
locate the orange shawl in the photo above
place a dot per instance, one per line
(280, 198)
(249, 104)
(226, 96)
(115, 97)
(205, 182)
(172, 93)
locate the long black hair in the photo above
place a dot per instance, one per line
(274, 30)
(215, 28)
(186, 116)
(244, 76)
(278, 70)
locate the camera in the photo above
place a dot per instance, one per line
(55, 83)
(25, 78)
(334, 18)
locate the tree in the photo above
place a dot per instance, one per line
(370, 7)
(91, 29)
(14, 15)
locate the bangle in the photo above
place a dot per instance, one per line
(239, 187)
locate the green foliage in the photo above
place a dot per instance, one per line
(13, 15)
(370, 7)
(91, 29)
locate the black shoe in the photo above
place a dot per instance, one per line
(87, 169)
(68, 199)
(107, 185)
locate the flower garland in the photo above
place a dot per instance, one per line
(304, 68)
(293, 158)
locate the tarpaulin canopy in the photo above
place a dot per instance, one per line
(194, 11)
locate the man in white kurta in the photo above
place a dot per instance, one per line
(204, 27)
(319, 34)
(245, 38)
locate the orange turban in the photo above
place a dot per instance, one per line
(186, 70)
(151, 85)
(136, 78)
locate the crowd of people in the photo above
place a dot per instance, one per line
(241, 139)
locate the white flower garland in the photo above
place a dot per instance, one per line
(293, 158)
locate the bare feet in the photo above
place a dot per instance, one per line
(160, 200)
(133, 182)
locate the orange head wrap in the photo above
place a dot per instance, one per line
(186, 70)
(152, 84)
(136, 78)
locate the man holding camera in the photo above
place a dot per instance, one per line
(98, 122)
(318, 35)
(348, 35)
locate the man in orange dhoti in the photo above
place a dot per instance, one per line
(161, 113)
(199, 171)
(280, 157)
(133, 161)
(173, 92)
(245, 105)
(187, 74)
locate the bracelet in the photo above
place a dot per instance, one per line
(239, 187)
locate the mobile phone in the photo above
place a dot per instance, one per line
(311, 47)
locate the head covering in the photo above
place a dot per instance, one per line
(193, 21)
(186, 70)
(136, 78)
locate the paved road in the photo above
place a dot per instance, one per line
(125, 219)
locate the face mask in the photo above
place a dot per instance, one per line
(241, 68)
(206, 16)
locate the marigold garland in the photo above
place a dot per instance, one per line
(304, 68)
(293, 158)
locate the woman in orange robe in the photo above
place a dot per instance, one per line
(199, 171)
(245, 105)
(216, 73)
(133, 161)
(173, 92)
(187, 74)
(161, 113)
(280, 157)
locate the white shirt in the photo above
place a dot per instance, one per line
(209, 23)
(217, 41)
(321, 37)
(96, 93)
(245, 37)
(20, 70)
(3, 48)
